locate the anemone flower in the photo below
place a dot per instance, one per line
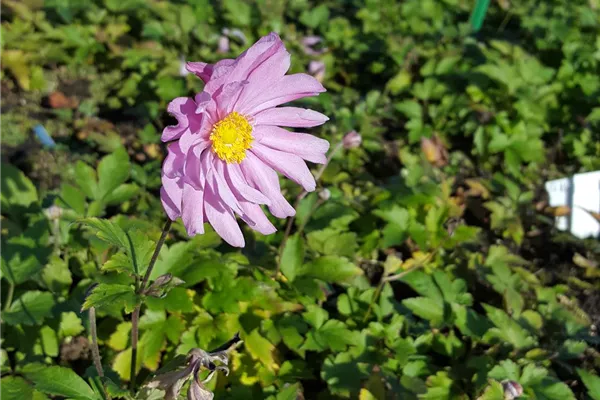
(228, 145)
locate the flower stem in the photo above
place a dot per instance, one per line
(290, 221)
(95, 349)
(161, 241)
(135, 317)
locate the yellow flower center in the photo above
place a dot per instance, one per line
(231, 137)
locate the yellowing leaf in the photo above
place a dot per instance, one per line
(261, 349)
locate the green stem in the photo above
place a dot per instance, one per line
(9, 296)
(161, 241)
(135, 317)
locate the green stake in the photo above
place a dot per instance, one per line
(478, 14)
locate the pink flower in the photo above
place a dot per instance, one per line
(352, 140)
(227, 146)
(317, 69)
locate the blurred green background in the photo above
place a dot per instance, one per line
(434, 270)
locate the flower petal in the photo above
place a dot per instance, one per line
(222, 219)
(240, 68)
(265, 75)
(266, 180)
(227, 97)
(195, 173)
(200, 69)
(183, 109)
(235, 177)
(174, 161)
(256, 218)
(288, 88)
(303, 145)
(193, 210)
(290, 116)
(171, 195)
(222, 187)
(288, 164)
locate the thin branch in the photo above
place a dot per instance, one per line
(95, 349)
(135, 317)
(161, 241)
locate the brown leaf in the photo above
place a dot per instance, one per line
(59, 100)
(477, 189)
(434, 151)
(559, 211)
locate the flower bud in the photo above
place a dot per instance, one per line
(317, 69)
(512, 389)
(352, 140)
(324, 194)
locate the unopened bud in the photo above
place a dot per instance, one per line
(324, 194)
(317, 69)
(512, 390)
(53, 212)
(352, 140)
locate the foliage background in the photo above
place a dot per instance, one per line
(433, 271)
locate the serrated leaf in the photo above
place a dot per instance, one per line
(120, 337)
(260, 349)
(29, 309)
(113, 170)
(121, 194)
(330, 269)
(507, 329)
(15, 388)
(59, 381)
(591, 382)
(426, 308)
(110, 295)
(292, 256)
(107, 231)
(493, 392)
(70, 324)
(86, 179)
(17, 189)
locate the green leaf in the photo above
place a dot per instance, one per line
(111, 295)
(70, 324)
(85, 177)
(334, 335)
(113, 171)
(330, 269)
(260, 348)
(73, 198)
(591, 382)
(56, 275)
(120, 337)
(59, 381)
(507, 329)
(332, 242)
(15, 388)
(121, 194)
(20, 259)
(17, 189)
(30, 309)
(426, 308)
(292, 256)
(49, 341)
(493, 392)
(108, 231)
(291, 392)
